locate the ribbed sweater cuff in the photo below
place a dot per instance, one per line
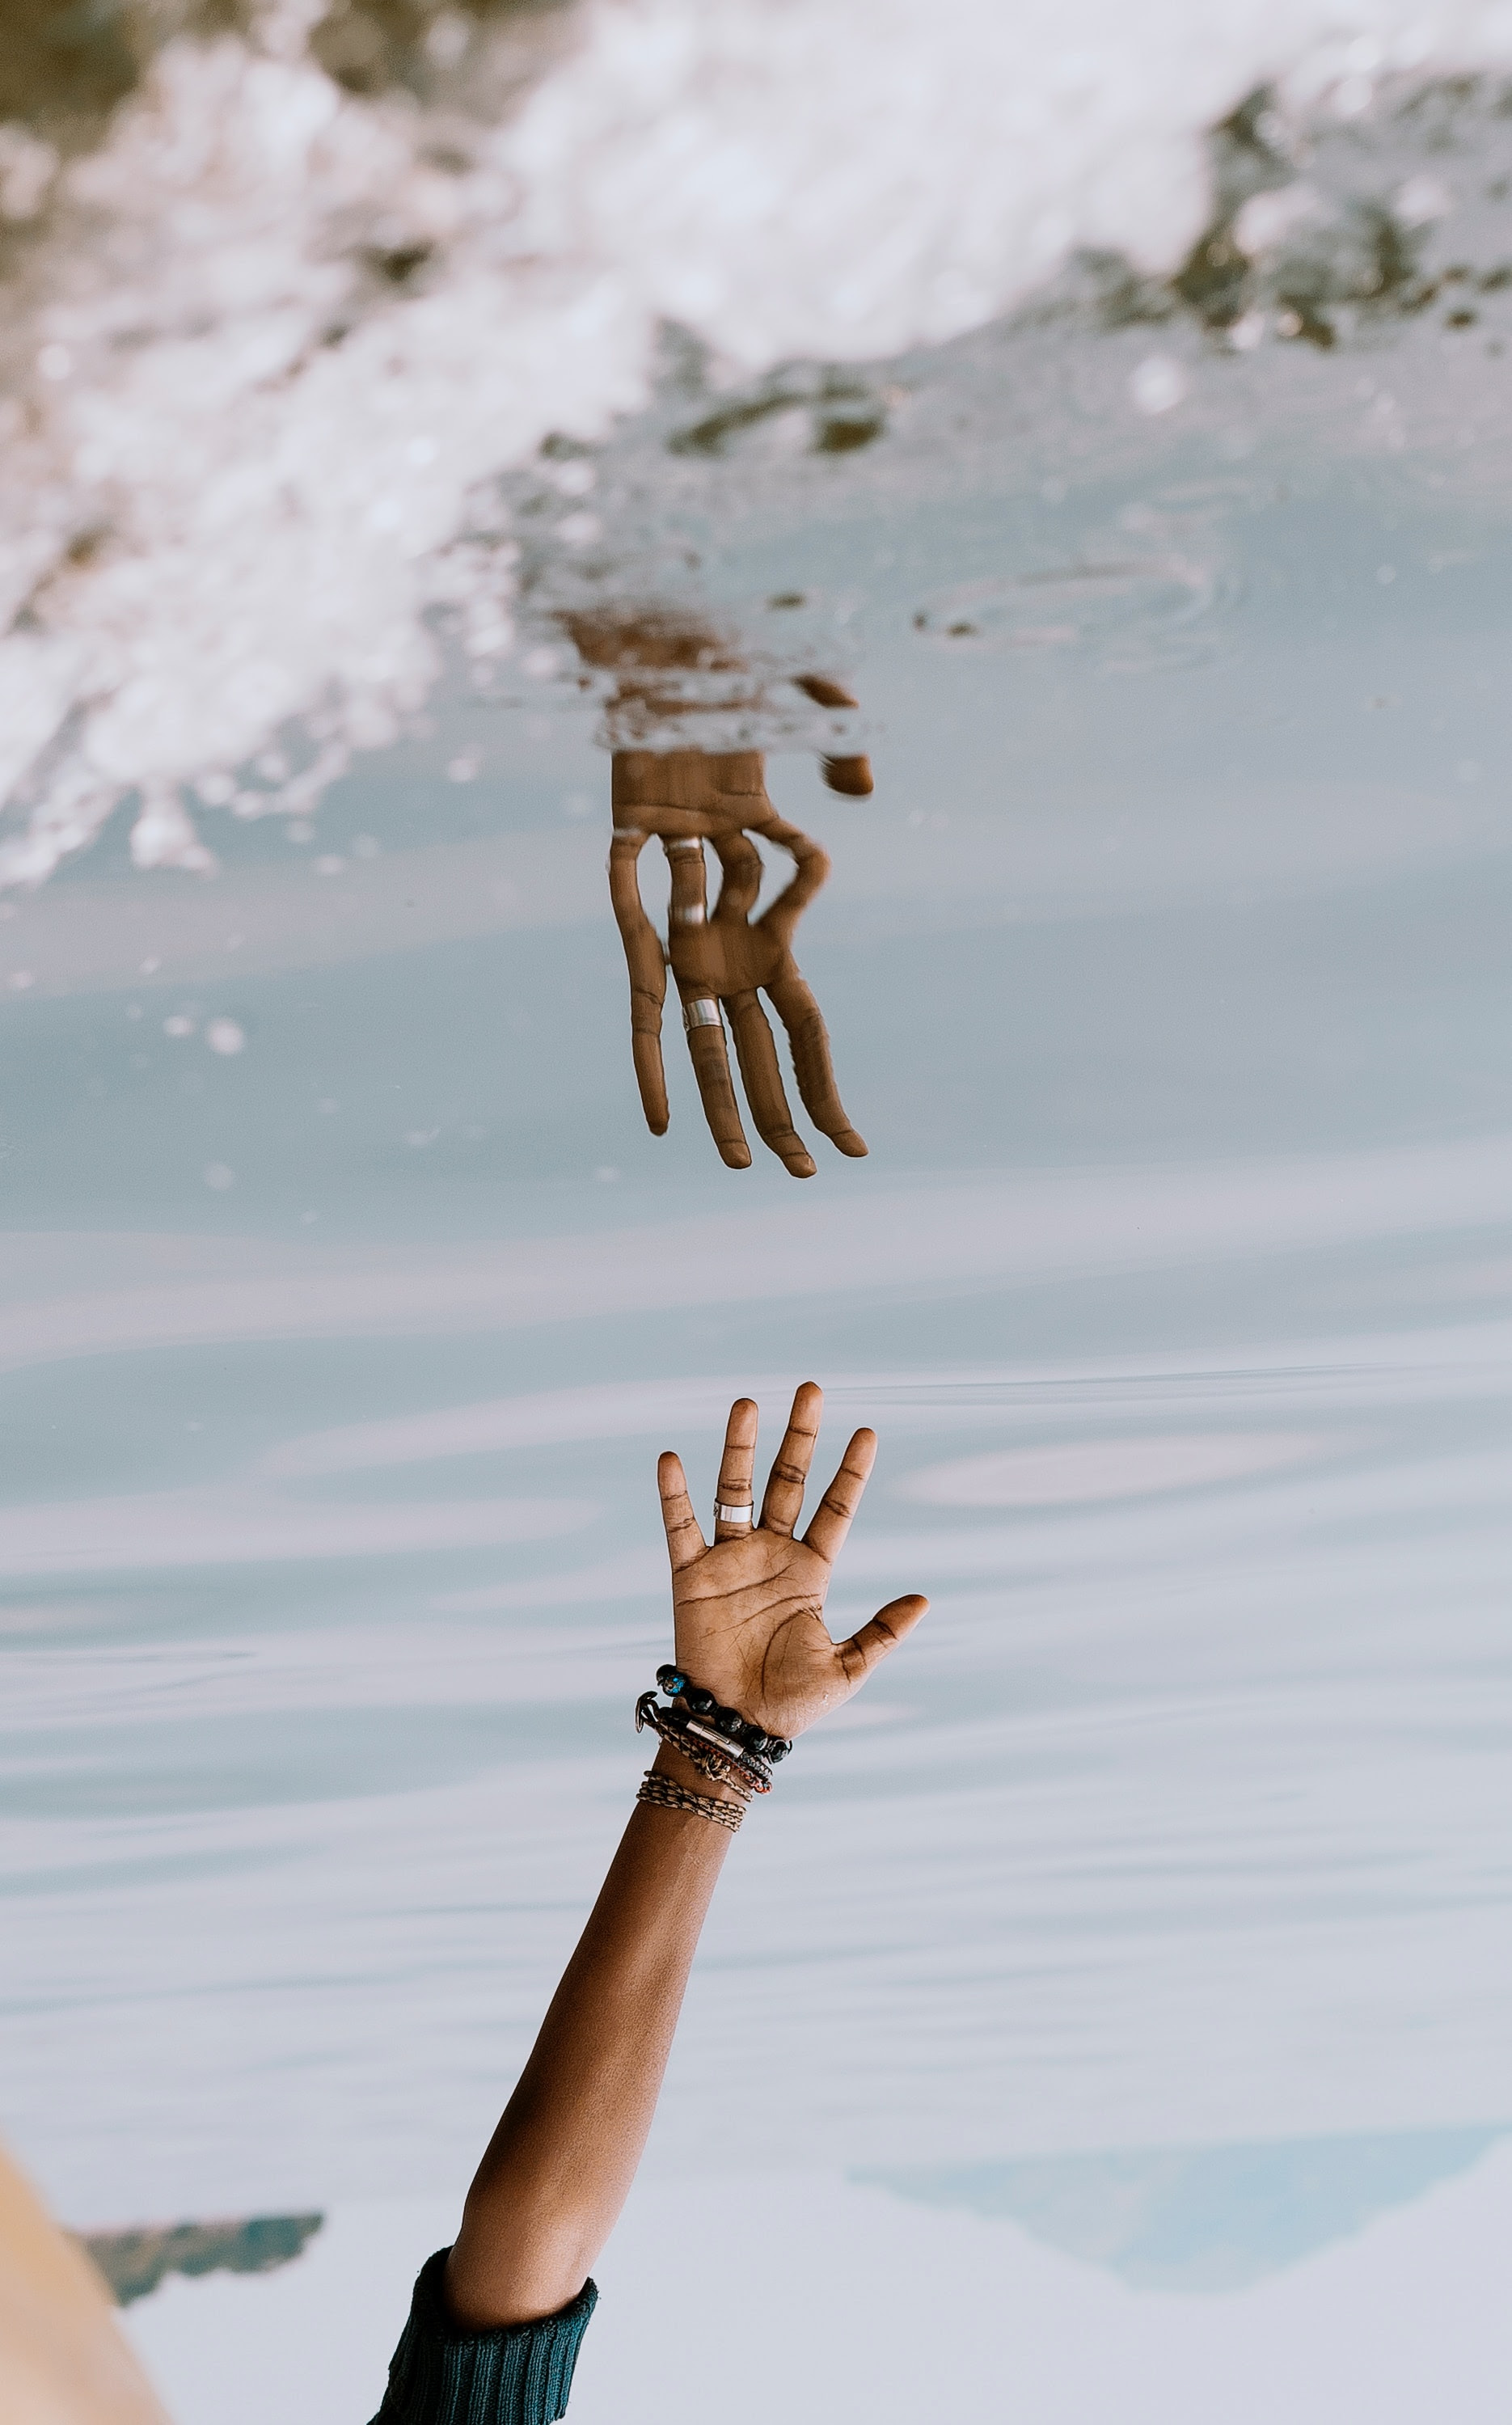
(517, 2374)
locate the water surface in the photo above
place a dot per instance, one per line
(1147, 1919)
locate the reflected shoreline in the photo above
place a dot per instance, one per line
(135, 2262)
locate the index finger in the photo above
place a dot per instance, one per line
(684, 1542)
(833, 1516)
(783, 1502)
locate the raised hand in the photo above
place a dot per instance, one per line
(722, 962)
(748, 1609)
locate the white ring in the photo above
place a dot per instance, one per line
(702, 1013)
(694, 915)
(677, 847)
(745, 1514)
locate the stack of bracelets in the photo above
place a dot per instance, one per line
(722, 1745)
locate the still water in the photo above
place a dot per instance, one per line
(1109, 2017)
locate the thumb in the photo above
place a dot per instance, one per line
(852, 775)
(881, 1633)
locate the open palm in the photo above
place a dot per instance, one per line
(748, 1607)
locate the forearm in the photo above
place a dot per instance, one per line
(559, 2166)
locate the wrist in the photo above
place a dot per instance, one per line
(671, 1764)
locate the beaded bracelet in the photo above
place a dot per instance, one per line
(665, 1793)
(714, 1759)
(744, 1732)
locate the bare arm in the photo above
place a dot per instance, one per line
(750, 1628)
(559, 2166)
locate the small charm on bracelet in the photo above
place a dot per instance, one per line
(713, 1759)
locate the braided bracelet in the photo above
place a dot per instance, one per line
(666, 1794)
(712, 1757)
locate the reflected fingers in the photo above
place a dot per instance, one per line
(740, 883)
(811, 873)
(851, 776)
(808, 1038)
(711, 1067)
(764, 1085)
(689, 904)
(648, 975)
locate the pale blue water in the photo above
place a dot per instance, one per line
(1156, 1896)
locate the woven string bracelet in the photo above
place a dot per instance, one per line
(667, 1794)
(718, 1761)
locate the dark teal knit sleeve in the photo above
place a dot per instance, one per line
(518, 2374)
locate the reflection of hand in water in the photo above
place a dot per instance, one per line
(725, 959)
(668, 668)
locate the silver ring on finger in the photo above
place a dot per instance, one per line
(702, 1013)
(743, 1514)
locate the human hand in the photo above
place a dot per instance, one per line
(686, 797)
(748, 1609)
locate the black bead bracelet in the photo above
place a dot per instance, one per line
(716, 1759)
(742, 1734)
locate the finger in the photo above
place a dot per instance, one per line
(809, 1039)
(648, 975)
(740, 881)
(737, 1466)
(684, 1542)
(811, 873)
(852, 775)
(690, 889)
(825, 691)
(832, 1518)
(711, 1067)
(878, 1635)
(762, 1080)
(783, 1502)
